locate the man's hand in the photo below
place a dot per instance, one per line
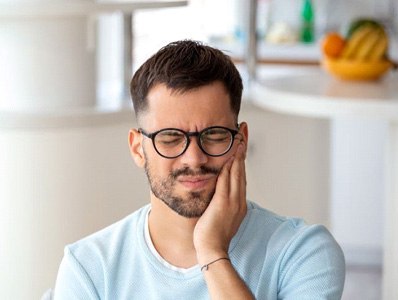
(221, 220)
(218, 225)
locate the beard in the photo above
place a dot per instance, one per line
(192, 205)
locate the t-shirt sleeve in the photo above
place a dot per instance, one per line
(73, 282)
(312, 266)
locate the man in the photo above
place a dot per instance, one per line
(199, 238)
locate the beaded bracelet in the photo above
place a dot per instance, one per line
(206, 267)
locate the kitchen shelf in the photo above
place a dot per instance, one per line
(285, 54)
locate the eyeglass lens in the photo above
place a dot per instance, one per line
(170, 142)
(214, 141)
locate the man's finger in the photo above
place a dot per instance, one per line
(222, 185)
(237, 176)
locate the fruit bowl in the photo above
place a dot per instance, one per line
(356, 70)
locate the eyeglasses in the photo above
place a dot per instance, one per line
(172, 142)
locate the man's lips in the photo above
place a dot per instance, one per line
(196, 182)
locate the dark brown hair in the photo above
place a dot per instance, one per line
(186, 65)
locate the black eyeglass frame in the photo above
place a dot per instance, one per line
(189, 134)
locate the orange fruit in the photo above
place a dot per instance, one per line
(332, 44)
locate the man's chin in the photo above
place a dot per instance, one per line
(190, 205)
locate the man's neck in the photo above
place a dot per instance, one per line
(172, 235)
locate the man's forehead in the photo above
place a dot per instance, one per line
(206, 104)
(213, 94)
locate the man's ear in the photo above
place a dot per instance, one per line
(244, 131)
(135, 145)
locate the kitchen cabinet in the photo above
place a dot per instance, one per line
(287, 164)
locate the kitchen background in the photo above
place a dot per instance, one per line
(65, 169)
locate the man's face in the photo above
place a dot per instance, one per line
(186, 183)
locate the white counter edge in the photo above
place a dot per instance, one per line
(84, 117)
(312, 106)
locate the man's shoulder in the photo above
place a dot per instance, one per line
(262, 217)
(111, 238)
(284, 250)
(281, 231)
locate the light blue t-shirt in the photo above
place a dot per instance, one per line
(277, 257)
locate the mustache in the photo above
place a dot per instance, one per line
(203, 170)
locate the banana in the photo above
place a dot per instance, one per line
(368, 44)
(353, 44)
(379, 51)
(357, 70)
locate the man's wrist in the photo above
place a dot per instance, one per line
(206, 266)
(206, 257)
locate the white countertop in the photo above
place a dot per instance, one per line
(57, 118)
(312, 92)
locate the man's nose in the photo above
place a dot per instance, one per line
(194, 156)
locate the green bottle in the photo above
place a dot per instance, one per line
(307, 25)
